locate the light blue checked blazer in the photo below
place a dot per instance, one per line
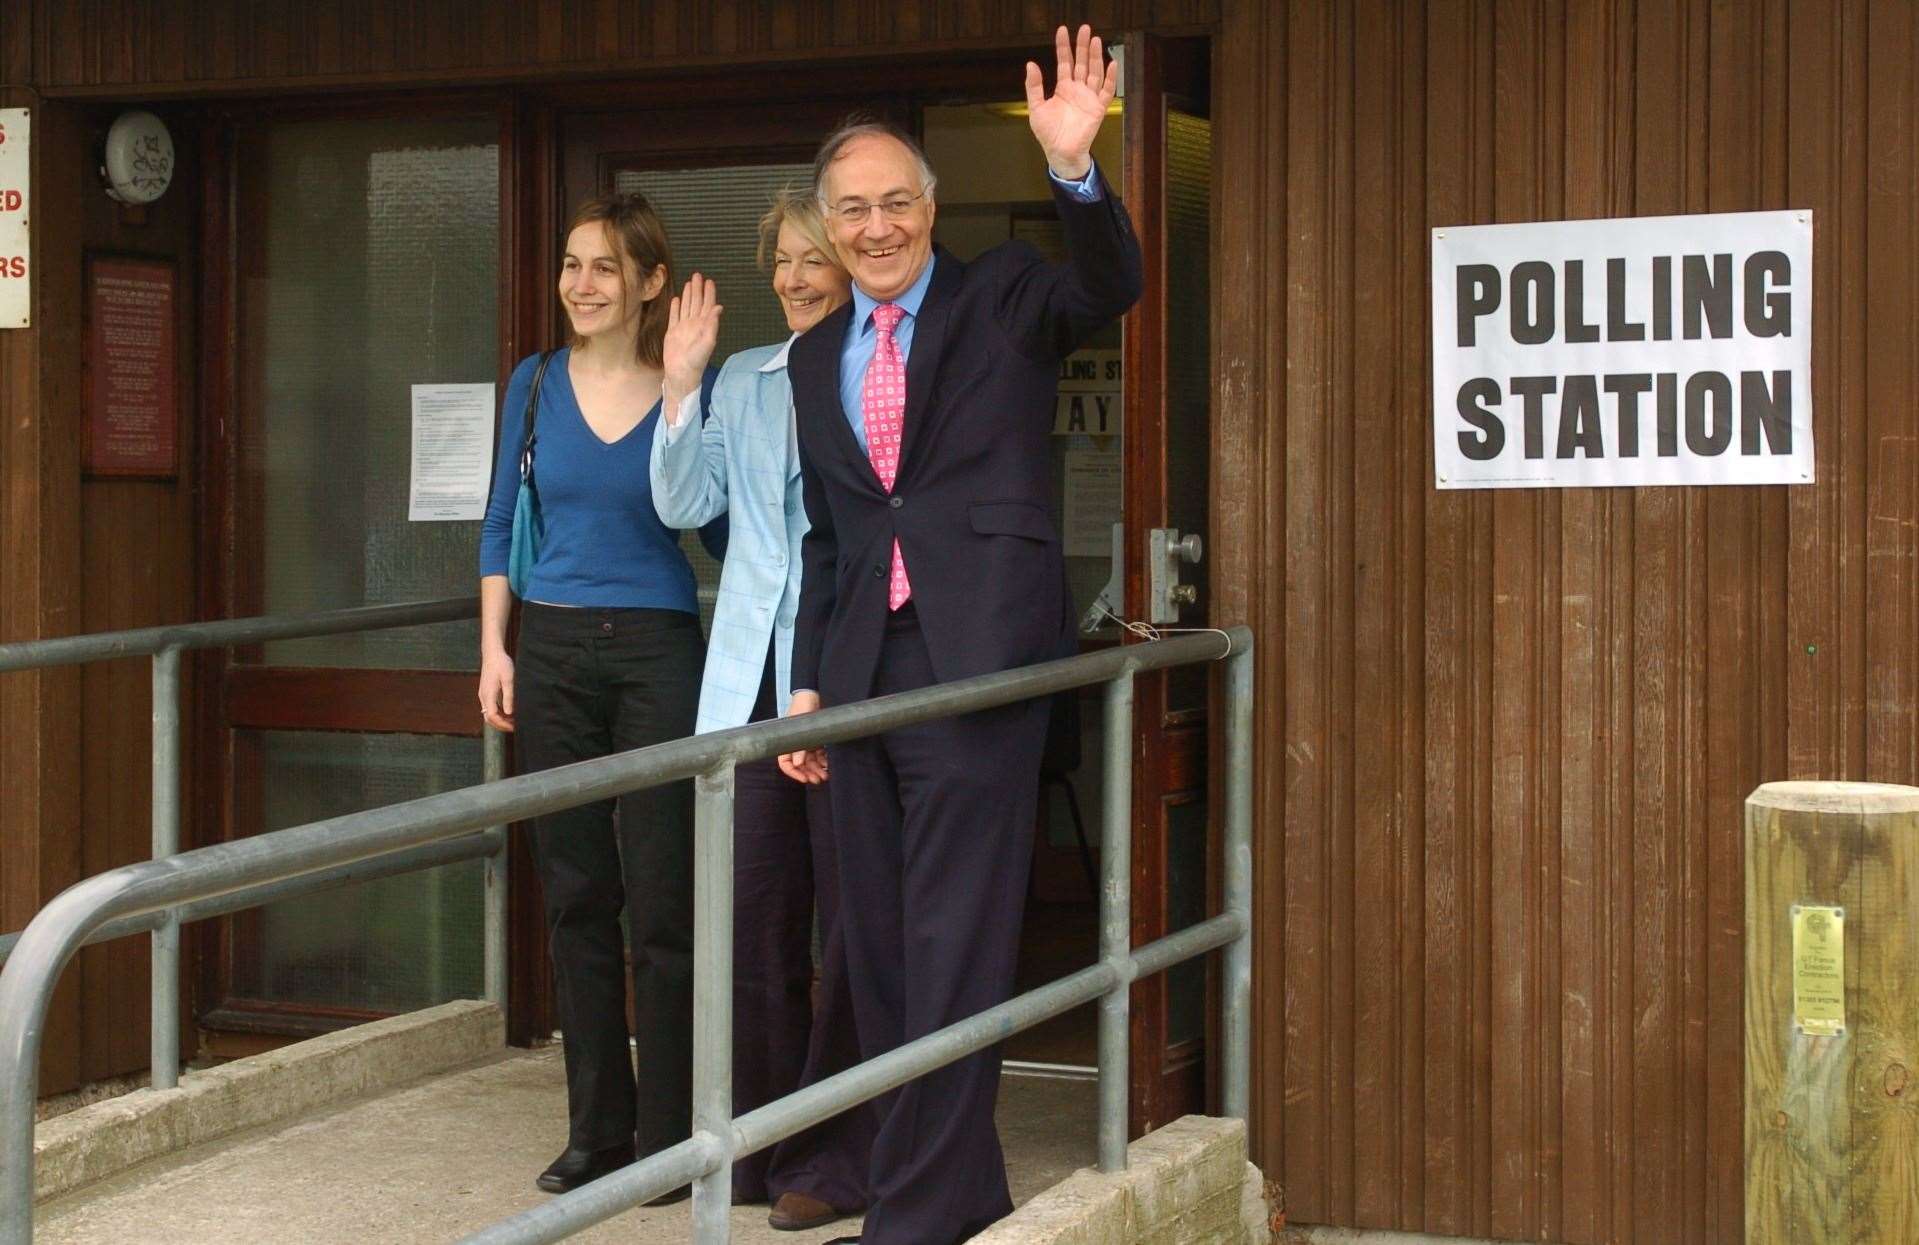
(744, 463)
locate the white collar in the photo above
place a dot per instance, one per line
(778, 362)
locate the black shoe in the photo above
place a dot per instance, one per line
(578, 1167)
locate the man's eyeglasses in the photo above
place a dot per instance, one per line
(855, 211)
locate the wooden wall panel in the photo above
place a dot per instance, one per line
(40, 811)
(157, 47)
(1498, 985)
(78, 556)
(137, 561)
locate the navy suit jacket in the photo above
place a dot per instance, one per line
(972, 501)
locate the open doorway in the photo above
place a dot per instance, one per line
(1132, 443)
(1130, 458)
(993, 187)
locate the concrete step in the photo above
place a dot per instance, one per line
(438, 1158)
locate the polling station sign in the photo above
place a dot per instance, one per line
(16, 286)
(1644, 351)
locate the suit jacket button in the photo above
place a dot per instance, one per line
(896, 502)
(879, 572)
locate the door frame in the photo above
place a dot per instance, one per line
(1165, 1080)
(534, 120)
(234, 697)
(1171, 748)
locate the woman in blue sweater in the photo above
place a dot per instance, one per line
(608, 660)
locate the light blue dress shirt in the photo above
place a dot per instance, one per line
(857, 354)
(861, 341)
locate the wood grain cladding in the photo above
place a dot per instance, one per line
(39, 595)
(137, 570)
(1508, 734)
(118, 43)
(81, 556)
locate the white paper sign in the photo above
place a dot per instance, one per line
(452, 451)
(16, 277)
(1093, 501)
(1089, 394)
(1651, 350)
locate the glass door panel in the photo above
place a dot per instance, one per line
(367, 260)
(376, 268)
(392, 945)
(712, 219)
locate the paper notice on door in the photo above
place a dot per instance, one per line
(452, 452)
(1092, 501)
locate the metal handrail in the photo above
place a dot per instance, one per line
(49, 943)
(473, 847)
(72, 650)
(165, 644)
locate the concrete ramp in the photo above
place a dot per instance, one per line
(439, 1158)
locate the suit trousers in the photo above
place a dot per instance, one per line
(935, 830)
(787, 1034)
(589, 683)
(783, 871)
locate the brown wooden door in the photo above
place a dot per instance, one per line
(1168, 176)
(360, 254)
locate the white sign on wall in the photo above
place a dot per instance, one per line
(1089, 395)
(1651, 350)
(16, 285)
(1095, 500)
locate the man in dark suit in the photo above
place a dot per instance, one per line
(924, 412)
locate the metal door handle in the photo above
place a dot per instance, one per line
(1165, 550)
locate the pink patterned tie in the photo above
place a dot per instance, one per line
(883, 407)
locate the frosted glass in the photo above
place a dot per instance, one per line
(712, 222)
(392, 945)
(378, 269)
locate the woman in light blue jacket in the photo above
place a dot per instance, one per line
(744, 462)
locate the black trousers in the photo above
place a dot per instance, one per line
(588, 683)
(784, 1035)
(935, 831)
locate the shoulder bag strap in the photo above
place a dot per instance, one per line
(532, 412)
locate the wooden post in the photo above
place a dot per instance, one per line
(1832, 1014)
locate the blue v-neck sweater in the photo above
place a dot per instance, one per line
(605, 545)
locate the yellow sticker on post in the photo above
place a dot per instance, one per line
(1819, 969)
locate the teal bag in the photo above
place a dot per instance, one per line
(529, 528)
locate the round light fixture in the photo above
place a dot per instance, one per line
(137, 161)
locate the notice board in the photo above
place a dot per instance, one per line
(132, 408)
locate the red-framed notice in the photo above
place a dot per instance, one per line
(132, 423)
